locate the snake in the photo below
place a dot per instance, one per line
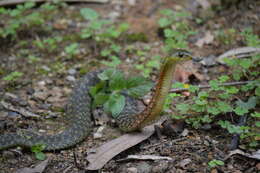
(79, 111)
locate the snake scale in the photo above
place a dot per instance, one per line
(79, 111)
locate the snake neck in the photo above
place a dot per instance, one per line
(162, 89)
(154, 108)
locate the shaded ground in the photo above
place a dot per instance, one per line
(46, 84)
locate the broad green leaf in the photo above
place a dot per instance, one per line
(89, 13)
(115, 104)
(97, 88)
(117, 81)
(138, 86)
(100, 99)
(257, 124)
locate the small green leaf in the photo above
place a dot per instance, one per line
(255, 114)
(214, 84)
(214, 163)
(223, 78)
(40, 156)
(223, 106)
(107, 74)
(164, 22)
(203, 94)
(257, 124)
(183, 108)
(201, 102)
(13, 76)
(245, 63)
(250, 104)
(213, 110)
(240, 111)
(89, 13)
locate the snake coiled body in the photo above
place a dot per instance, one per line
(79, 113)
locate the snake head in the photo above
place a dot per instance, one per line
(182, 55)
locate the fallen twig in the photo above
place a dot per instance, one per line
(144, 157)
(175, 90)
(21, 111)
(14, 2)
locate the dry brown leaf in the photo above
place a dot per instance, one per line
(107, 151)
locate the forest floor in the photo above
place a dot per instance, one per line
(47, 62)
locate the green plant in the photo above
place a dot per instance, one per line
(13, 76)
(214, 163)
(175, 29)
(147, 65)
(210, 106)
(37, 150)
(21, 18)
(226, 36)
(109, 91)
(72, 49)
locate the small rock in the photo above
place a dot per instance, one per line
(30, 91)
(113, 15)
(71, 78)
(184, 162)
(42, 131)
(41, 83)
(46, 68)
(41, 95)
(97, 135)
(132, 2)
(2, 125)
(72, 71)
(131, 170)
(13, 114)
(258, 166)
(185, 132)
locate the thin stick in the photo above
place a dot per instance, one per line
(14, 2)
(176, 90)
